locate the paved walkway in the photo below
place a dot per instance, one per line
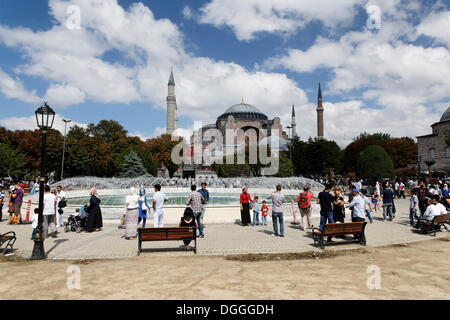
(220, 239)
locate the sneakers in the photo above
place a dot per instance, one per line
(282, 235)
(201, 236)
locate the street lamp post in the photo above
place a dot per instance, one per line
(44, 118)
(64, 147)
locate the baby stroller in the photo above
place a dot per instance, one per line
(77, 221)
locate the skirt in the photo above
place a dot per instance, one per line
(131, 221)
(245, 214)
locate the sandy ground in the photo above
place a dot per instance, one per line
(419, 270)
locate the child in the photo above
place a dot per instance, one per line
(375, 200)
(414, 202)
(34, 224)
(255, 211)
(264, 211)
(367, 202)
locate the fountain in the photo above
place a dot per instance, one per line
(224, 192)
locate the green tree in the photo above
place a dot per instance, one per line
(286, 168)
(132, 166)
(12, 161)
(107, 130)
(149, 164)
(374, 163)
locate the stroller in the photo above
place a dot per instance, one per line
(77, 221)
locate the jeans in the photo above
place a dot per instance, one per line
(412, 215)
(324, 217)
(264, 220)
(275, 217)
(255, 218)
(387, 208)
(423, 207)
(368, 215)
(49, 222)
(198, 216)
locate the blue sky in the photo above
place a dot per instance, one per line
(273, 53)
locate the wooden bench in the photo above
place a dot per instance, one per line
(8, 240)
(432, 226)
(340, 229)
(166, 234)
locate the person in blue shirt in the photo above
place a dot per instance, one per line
(388, 202)
(205, 193)
(143, 207)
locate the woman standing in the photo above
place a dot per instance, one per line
(143, 207)
(94, 219)
(131, 217)
(245, 200)
(338, 207)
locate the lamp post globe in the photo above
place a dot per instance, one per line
(45, 117)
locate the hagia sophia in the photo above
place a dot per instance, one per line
(251, 125)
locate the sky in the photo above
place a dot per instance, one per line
(383, 65)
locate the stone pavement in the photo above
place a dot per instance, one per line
(220, 239)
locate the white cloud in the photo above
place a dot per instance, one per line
(247, 18)
(437, 26)
(15, 89)
(62, 95)
(29, 123)
(187, 12)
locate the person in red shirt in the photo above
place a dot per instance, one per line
(264, 211)
(304, 204)
(246, 201)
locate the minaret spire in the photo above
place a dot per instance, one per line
(172, 117)
(319, 114)
(293, 123)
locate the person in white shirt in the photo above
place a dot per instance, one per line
(59, 195)
(131, 217)
(358, 204)
(396, 186)
(158, 207)
(49, 212)
(434, 209)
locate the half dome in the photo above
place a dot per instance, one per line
(445, 115)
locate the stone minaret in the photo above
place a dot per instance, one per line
(319, 115)
(293, 123)
(172, 117)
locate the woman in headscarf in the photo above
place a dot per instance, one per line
(245, 201)
(143, 207)
(131, 217)
(94, 218)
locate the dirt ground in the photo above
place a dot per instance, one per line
(418, 270)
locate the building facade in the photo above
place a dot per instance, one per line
(433, 147)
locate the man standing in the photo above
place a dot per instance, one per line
(358, 205)
(158, 207)
(402, 190)
(388, 202)
(205, 195)
(49, 211)
(304, 205)
(195, 201)
(396, 187)
(59, 196)
(277, 211)
(325, 199)
(2, 198)
(18, 199)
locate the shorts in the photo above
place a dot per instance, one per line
(17, 207)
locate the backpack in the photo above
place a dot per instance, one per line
(303, 201)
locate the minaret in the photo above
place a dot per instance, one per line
(172, 117)
(319, 115)
(293, 123)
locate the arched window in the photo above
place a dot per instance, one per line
(432, 154)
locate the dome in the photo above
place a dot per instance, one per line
(445, 115)
(243, 111)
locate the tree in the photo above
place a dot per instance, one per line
(108, 130)
(286, 168)
(132, 166)
(161, 151)
(12, 161)
(402, 151)
(149, 164)
(374, 163)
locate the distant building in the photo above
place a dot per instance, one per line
(432, 147)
